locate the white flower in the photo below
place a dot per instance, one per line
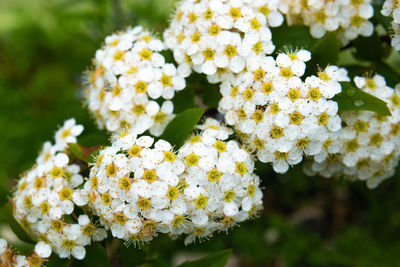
(128, 76)
(43, 250)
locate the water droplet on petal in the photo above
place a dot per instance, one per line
(358, 103)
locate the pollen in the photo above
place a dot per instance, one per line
(276, 132)
(323, 119)
(150, 176)
(257, 48)
(65, 193)
(169, 156)
(125, 183)
(144, 204)
(173, 193)
(241, 168)
(352, 146)
(208, 14)
(248, 94)
(235, 12)
(314, 94)
(214, 30)
(119, 55)
(111, 170)
(38, 183)
(323, 76)
(141, 87)
(139, 109)
(56, 172)
(259, 74)
(145, 54)
(376, 139)
(286, 73)
(220, 146)
(120, 218)
(106, 199)
(258, 116)
(360, 126)
(258, 143)
(57, 225)
(208, 54)
(201, 202)
(251, 190)
(214, 175)
(255, 24)
(195, 139)
(294, 94)
(192, 159)
(303, 143)
(229, 195)
(159, 117)
(65, 133)
(196, 37)
(370, 83)
(68, 244)
(230, 51)
(281, 155)
(296, 118)
(89, 229)
(134, 151)
(45, 207)
(267, 88)
(178, 220)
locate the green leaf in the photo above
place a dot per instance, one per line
(352, 98)
(183, 100)
(218, 259)
(369, 48)
(96, 255)
(391, 75)
(210, 96)
(76, 150)
(293, 37)
(324, 52)
(178, 130)
(15, 226)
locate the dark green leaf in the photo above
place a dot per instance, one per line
(210, 96)
(369, 48)
(181, 126)
(218, 259)
(183, 100)
(293, 37)
(132, 256)
(76, 151)
(95, 256)
(381, 19)
(324, 52)
(391, 75)
(352, 98)
(15, 226)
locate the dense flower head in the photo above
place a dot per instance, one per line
(391, 8)
(278, 114)
(131, 84)
(221, 189)
(368, 145)
(135, 188)
(139, 187)
(350, 18)
(10, 258)
(216, 37)
(46, 197)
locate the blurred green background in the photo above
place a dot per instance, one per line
(45, 45)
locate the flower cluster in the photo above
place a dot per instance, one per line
(349, 17)
(221, 189)
(139, 187)
(46, 196)
(131, 85)
(279, 115)
(218, 37)
(10, 258)
(368, 146)
(392, 8)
